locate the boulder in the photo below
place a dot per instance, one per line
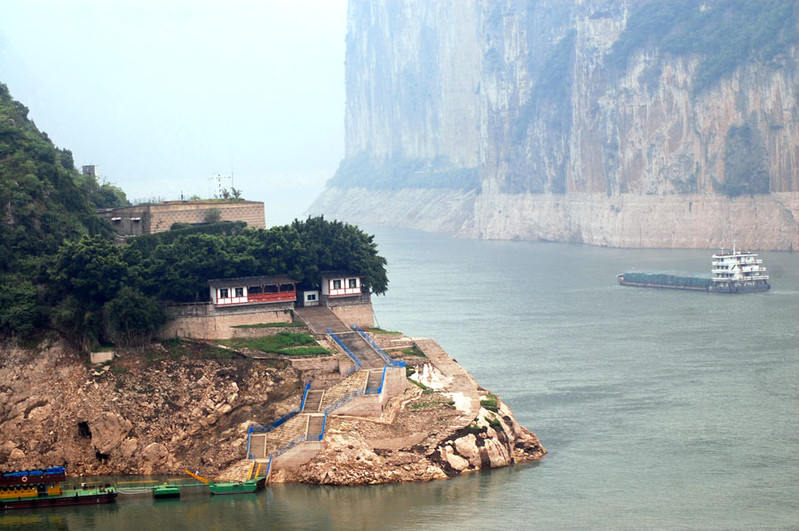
(108, 431)
(467, 448)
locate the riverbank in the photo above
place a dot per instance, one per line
(160, 411)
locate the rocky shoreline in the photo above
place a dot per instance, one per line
(160, 411)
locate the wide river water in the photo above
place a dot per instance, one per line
(660, 409)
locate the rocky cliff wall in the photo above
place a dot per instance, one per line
(626, 220)
(530, 94)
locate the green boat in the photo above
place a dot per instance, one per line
(235, 487)
(166, 491)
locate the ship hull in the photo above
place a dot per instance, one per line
(741, 288)
(65, 499)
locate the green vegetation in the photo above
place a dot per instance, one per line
(494, 422)
(284, 343)
(374, 330)
(400, 172)
(59, 269)
(413, 352)
(490, 403)
(745, 163)
(272, 325)
(726, 34)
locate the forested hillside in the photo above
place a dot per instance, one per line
(44, 201)
(59, 268)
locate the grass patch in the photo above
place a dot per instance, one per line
(420, 384)
(494, 423)
(285, 343)
(381, 331)
(490, 403)
(272, 325)
(422, 405)
(413, 352)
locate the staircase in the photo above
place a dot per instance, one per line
(313, 401)
(321, 318)
(316, 424)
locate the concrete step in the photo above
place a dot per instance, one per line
(313, 401)
(315, 423)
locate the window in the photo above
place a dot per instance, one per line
(223, 293)
(287, 287)
(254, 290)
(272, 288)
(239, 292)
(310, 297)
(337, 284)
(353, 282)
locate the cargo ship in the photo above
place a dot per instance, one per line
(42, 488)
(731, 272)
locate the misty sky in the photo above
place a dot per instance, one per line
(166, 95)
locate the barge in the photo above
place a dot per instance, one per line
(26, 489)
(731, 272)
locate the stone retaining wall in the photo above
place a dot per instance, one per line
(360, 314)
(220, 325)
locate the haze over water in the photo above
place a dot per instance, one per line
(660, 409)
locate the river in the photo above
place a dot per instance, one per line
(660, 409)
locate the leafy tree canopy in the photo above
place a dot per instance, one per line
(59, 266)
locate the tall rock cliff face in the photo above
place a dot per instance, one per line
(611, 122)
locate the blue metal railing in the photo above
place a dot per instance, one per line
(346, 349)
(386, 358)
(305, 395)
(266, 428)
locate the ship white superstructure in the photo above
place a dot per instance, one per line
(737, 271)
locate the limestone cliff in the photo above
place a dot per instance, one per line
(610, 122)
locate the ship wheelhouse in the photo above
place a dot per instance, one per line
(738, 271)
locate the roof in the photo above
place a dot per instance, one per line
(339, 273)
(250, 281)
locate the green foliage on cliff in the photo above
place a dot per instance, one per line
(745, 163)
(59, 267)
(725, 33)
(43, 202)
(400, 172)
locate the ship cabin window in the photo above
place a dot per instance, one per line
(353, 282)
(254, 290)
(239, 292)
(337, 284)
(223, 293)
(272, 288)
(286, 287)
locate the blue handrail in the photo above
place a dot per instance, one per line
(305, 395)
(344, 347)
(391, 362)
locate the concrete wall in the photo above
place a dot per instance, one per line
(219, 324)
(360, 314)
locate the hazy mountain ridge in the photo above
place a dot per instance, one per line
(560, 103)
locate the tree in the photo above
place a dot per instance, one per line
(131, 318)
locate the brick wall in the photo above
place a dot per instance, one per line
(164, 215)
(160, 217)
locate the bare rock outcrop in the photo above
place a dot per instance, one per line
(149, 412)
